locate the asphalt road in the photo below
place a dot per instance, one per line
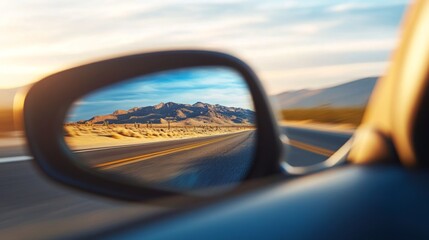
(310, 146)
(179, 164)
(31, 206)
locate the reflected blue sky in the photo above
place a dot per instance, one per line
(214, 85)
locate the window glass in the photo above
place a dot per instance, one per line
(318, 61)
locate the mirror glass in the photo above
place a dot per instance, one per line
(183, 129)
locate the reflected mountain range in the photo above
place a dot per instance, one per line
(198, 113)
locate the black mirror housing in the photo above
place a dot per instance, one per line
(47, 102)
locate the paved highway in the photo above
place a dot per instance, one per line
(179, 164)
(31, 205)
(312, 145)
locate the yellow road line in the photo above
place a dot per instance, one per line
(311, 148)
(126, 161)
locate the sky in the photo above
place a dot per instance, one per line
(213, 85)
(291, 44)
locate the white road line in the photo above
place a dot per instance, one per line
(15, 159)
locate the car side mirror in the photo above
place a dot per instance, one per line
(173, 123)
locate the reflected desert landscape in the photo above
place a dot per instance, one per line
(161, 122)
(184, 129)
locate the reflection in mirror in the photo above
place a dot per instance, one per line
(184, 129)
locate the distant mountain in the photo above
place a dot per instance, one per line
(352, 94)
(187, 114)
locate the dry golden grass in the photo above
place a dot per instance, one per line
(83, 136)
(351, 116)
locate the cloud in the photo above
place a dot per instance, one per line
(347, 7)
(362, 5)
(40, 37)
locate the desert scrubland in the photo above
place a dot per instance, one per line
(335, 116)
(81, 136)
